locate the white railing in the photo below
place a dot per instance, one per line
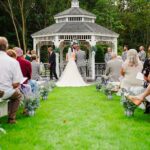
(99, 69)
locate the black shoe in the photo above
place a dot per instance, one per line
(147, 110)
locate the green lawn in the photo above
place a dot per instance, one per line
(78, 119)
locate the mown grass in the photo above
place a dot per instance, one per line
(78, 119)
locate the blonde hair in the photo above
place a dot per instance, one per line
(33, 57)
(132, 58)
(11, 53)
(33, 52)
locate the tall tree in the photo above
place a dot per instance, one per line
(8, 6)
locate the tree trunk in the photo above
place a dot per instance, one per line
(23, 18)
(8, 8)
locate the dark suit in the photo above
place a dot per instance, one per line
(52, 62)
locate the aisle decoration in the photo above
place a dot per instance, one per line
(107, 87)
(129, 107)
(31, 99)
(45, 88)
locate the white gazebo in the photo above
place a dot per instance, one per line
(74, 23)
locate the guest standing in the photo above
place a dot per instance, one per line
(142, 53)
(10, 80)
(35, 68)
(52, 63)
(108, 55)
(131, 67)
(28, 55)
(125, 51)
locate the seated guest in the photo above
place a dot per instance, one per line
(35, 68)
(24, 64)
(113, 68)
(131, 67)
(11, 53)
(137, 100)
(10, 80)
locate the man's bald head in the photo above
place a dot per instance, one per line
(3, 44)
(113, 55)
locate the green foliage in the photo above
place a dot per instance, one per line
(44, 54)
(101, 50)
(131, 23)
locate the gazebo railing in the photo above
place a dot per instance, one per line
(99, 69)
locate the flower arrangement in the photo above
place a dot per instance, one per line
(45, 88)
(127, 104)
(31, 104)
(129, 107)
(31, 98)
(108, 91)
(105, 86)
(101, 83)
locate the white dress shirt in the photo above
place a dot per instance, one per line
(10, 73)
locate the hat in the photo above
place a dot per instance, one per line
(18, 51)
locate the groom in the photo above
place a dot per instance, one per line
(80, 60)
(52, 63)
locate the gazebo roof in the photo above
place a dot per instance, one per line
(75, 27)
(75, 11)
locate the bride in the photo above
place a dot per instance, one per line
(71, 76)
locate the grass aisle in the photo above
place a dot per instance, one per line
(78, 119)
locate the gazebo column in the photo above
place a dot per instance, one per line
(57, 43)
(93, 43)
(57, 64)
(38, 51)
(115, 46)
(34, 44)
(93, 65)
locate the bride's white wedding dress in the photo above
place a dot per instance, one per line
(71, 76)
